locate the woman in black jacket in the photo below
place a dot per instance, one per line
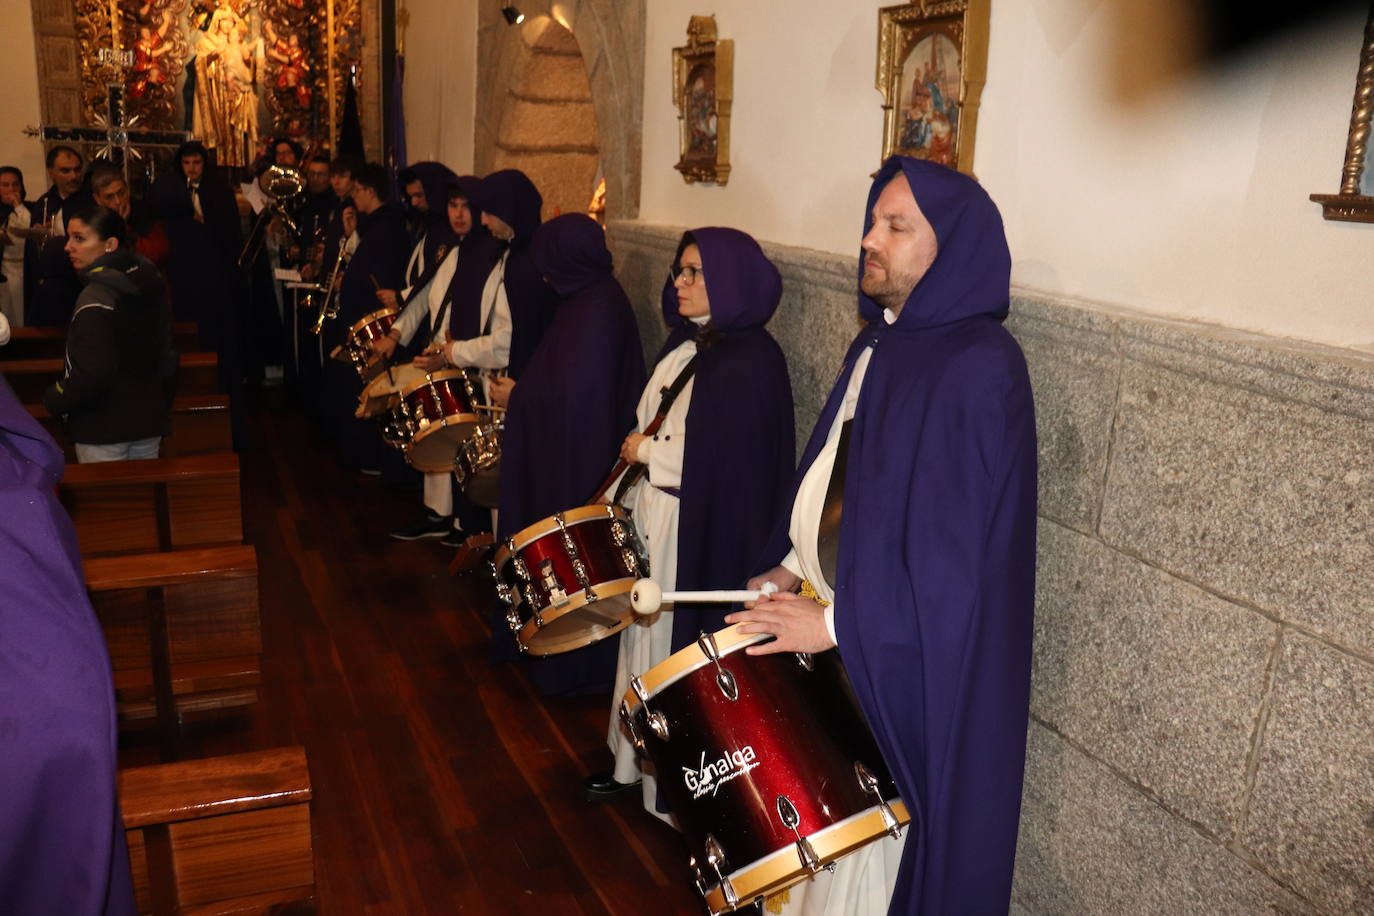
(114, 394)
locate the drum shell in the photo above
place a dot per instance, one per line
(477, 467)
(441, 394)
(792, 731)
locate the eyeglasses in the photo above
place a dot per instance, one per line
(687, 273)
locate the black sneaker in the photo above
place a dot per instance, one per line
(455, 538)
(427, 525)
(602, 786)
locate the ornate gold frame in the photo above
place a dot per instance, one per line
(1350, 205)
(704, 48)
(900, 28)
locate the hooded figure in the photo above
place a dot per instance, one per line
(510, 196)
(568, 414)
(432, 230)
(719, 467)
(119, 363)
(934, 571)
(63, 848)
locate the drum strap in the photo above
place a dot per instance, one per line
(669, 395)
(828, 531)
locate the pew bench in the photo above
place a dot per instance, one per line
(197, 373)
(183, 630)
(221, 835)
(198, 425)
(123, 507)
(51, 343)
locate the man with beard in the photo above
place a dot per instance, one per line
(378, 263)
(913, 517)
(54, 293)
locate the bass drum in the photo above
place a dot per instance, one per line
(477, 467)
(766, 761)
(441, 411)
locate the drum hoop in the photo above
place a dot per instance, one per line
(525, 536)
(611, 588)
(781, 868)
(369, 318)
(688, 659)
(453, 419)
(432, 377)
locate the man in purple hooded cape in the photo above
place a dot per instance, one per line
(62, 848)
(933, 573)
(568, 414)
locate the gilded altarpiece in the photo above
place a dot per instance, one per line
(279, 67)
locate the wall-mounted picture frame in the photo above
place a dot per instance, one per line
(1355, 201)
(932, 64)
(703, 91)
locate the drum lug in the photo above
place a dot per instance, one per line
(628, 721)
(787, 813)
(513, 620)
(804, 659)
(620, 532)
(725, 679)
(697, 878)
(631, 560)
(869, 783)
(658, 722)
(580, 570)
(530, 599)
(503, 591)
(715, 858)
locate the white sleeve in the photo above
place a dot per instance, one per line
(792, 564)
(830, 622)
(20, 218)
(490, 351)
(664, 455)
(351, 245)
(413, 315)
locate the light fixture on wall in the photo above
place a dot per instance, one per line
(513, 15)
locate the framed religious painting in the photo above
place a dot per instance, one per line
(703, 79)
(1354, 203)
(932, 64)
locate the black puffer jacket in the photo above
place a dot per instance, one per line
(119, 356)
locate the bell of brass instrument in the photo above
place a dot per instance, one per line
(329, 306)
(282, 184)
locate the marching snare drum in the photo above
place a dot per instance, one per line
(566, 580)
(477, 466)
(383, 394)
(766, 761)
(440, 411)
(373, 326)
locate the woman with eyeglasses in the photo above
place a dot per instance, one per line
(717, 470)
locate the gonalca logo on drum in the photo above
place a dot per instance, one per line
(710, 775)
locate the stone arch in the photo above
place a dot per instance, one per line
(610, 37)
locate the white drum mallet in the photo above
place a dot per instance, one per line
(646, 597)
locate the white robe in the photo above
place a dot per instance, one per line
(12, 290)
(648, 640)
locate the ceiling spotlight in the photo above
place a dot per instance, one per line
(513, 15)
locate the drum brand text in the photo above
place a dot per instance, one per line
(710, 775)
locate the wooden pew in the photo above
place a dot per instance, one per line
(198, 374)
(221, 835)
(123, 507)
(51, 343)
(183, 632)
(199, 425)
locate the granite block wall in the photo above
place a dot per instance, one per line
(1202, 736)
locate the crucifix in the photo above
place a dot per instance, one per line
(119, 140)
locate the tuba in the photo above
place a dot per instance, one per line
(280, 184)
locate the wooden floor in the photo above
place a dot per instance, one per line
(443, 784)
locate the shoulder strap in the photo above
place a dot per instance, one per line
(668, 396)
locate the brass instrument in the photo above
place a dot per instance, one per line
(329, 307)
(280, 184)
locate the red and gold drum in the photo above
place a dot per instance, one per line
(370, 327)
(382, 395)
(566, 580)
(766, 761)
(440, 410)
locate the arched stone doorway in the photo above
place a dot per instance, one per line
(514, 103)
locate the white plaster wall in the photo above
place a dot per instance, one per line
(441, 73)
(1192, 203)
(19, 76)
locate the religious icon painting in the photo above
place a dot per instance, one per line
(703, 74)
(932, 63)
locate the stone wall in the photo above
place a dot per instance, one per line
(1202, 736)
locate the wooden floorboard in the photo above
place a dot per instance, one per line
(442, 783)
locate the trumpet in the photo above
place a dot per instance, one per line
(329, 306)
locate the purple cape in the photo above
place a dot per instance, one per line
(62, 848)
(479, 253)
(936, 567)
(573, 406)
(510, 195)
(740, 429)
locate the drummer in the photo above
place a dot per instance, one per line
(456, 285)
(926, 452)
(703, 505)
(568, 414)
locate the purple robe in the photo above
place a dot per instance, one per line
(568, 415)
(62, 848)
(935, 577)
(432, 228)
(740, 451)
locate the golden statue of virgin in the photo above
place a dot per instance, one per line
(225, 116)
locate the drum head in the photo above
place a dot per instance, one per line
(434, 447)
(584, 625)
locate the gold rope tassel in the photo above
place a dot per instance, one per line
(776, 902)
(807, 591)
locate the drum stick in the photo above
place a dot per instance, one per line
(375, 285)
(646, 597)
(622, 464)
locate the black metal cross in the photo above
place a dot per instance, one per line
(117, 136)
